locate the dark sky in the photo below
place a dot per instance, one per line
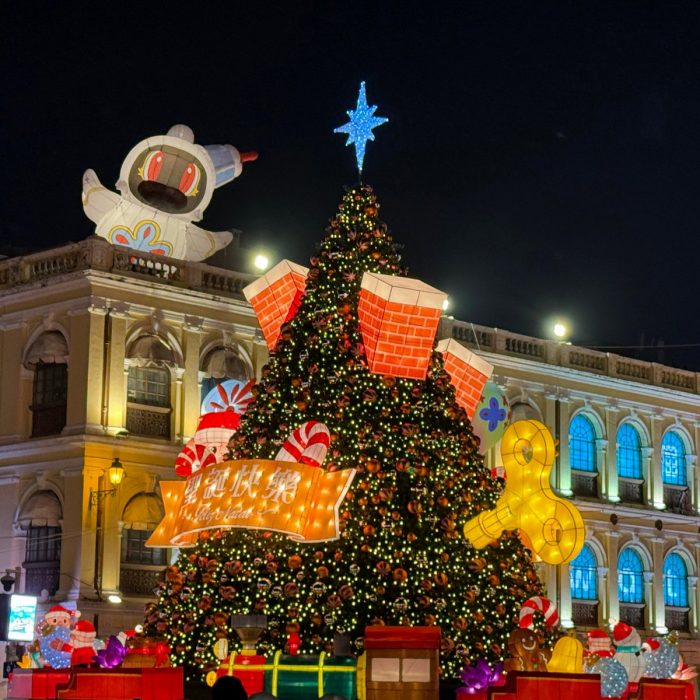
(541, 158)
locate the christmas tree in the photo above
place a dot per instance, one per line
(401, 558)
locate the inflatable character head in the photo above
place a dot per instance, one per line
(175, 175)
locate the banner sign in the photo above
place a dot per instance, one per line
(299, 500)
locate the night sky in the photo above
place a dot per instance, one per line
(541, 158)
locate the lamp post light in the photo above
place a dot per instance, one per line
(115, 474)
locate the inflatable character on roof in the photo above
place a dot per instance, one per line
(166, 183)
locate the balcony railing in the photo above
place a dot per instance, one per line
(584, 613)
(41, 576)
(502, 342)
(633, 614)
(96, 253)
(139, 580)
(678, 619)
(631, 490)
(677, 499)
(584, 484)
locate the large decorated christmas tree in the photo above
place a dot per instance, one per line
(401, 557)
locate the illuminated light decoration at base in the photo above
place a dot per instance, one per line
(554, 525)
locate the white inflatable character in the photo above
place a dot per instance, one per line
(166, 183)
(628, 651)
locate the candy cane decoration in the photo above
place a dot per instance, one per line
(538, 604)
(308, 444)
(193, 458)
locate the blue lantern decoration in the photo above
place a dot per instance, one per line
(491, 417)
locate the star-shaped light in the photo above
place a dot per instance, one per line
(359, 128)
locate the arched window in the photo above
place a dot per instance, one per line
(141, 517)
(630, 577)
(40, 517)
(675, 581)
(629, 453)
(673, 460)
(48, 357)
(220, 365)
(148, 387)
(583, 575)
(582, 444)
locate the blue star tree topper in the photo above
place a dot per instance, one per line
(359, 128)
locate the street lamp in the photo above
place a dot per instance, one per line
(261, 262)
(115, 474)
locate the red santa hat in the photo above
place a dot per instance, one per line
(62, 613)
(625, 636)
(83, 633)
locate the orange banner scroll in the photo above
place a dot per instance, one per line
(299, 500)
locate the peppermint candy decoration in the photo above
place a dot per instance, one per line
(538, 604)
(193, 457)
(308, 444)
(230, 395)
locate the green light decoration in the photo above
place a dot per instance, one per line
(359, 128)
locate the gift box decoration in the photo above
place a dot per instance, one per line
(275, 297)
(468, 371)
(301, 676)
(399, 318)
(402, 663)
(249, 669)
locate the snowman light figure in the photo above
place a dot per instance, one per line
(166, 183)
(628, 651)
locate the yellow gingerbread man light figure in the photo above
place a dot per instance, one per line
(554, 525)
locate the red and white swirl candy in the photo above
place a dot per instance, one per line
(541, 605)
(194, 457)
(308, 444)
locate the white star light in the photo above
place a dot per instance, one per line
(359, 128)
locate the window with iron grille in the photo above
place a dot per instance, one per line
(629, 453)
(134, 550)
(43, 544)
(50, 393)
(673, 460)
(149, 386)
(675, 581)
(630, 577)
(583, 575)
(582, 444)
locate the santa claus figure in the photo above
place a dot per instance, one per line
(599, 643)
(81, 644)
(628, 650)
(54, 631)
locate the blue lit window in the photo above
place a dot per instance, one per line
(629, 454)
(582, 444)
(673, 460)
(675, 581)
(583, 575)
(630, 577)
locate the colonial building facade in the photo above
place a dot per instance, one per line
(106, 354)
(627, 433)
